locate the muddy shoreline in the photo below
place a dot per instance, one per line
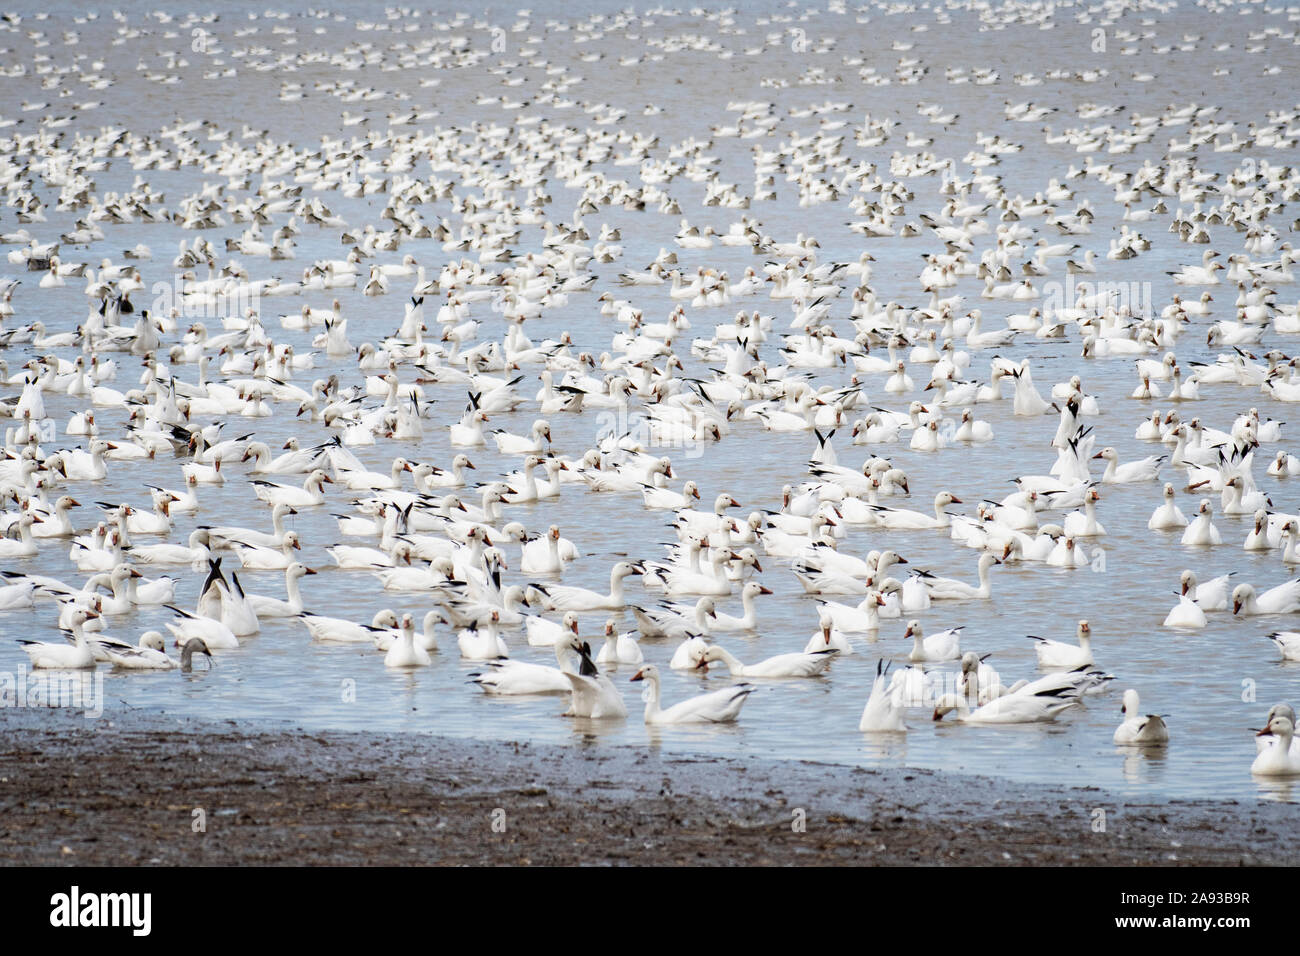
(125, 791)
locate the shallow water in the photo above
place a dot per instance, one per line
(1215, 684)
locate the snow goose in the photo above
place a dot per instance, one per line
(485, 644)
(941, 646)
(1084, 524)
(311, 493)
(508, 678)
(214, 634)
(544, 633)
(76, 656)
(1277, 759)
(720, 706)
(1060, 654)
(903, 520)
(336, 630)
(531, 444)
(668, 499)
(1146, 469)
(567, 598)
(1186, 613)
(619, 648)
(951, 589)
(405, 652)
(1017, 708)
(151, 654)
(1138, 729)
(855, 620)
(1282, 599)
(195, 552)
(884, 712)
(749, 620)
(1201, 531)
(781, 665)
(592, 694)
(25, 546)
(273, 607)
(1210, 596)
(270, 559)
(1288, 642)
(1168, 516)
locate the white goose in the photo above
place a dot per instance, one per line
(567, 598)
(941, 646)
(1138, 729)
(1277, 759)
(311, 493)
(1060, 654)
(618, 648)
(720, 706)
(593, 695)
(884, 712)
(76, 656)
(405, 652)
(510, 678)
(782, 665)
(273, 607)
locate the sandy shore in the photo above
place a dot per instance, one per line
(124, 791)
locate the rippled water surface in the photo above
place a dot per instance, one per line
(1214, 684)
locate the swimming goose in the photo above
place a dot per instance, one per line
(215, 635)
(940, 646)
(1278, 758)
(618, 648)
(593, 695)
(336, 630)
(1059, 654)
(1210, 596)
(1018, 708)
(405, 652)
(544, 633)
(151, 654)
(567, 598)
(782, 665)
(720, 706)
(484, 645)
(1146, 469)
(510, 677)
(75, 656)
(749, 620)
(1167, 517)
(1282, 599)
(885, 711)
(311, 493)
(531, 444)
(951, 589)
(1147, 730)
(270, 559)
(902, 520)
(265, 607)
(1202, 531)
(25, 546)
(1186, 613)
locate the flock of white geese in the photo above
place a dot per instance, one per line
(487, 287)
